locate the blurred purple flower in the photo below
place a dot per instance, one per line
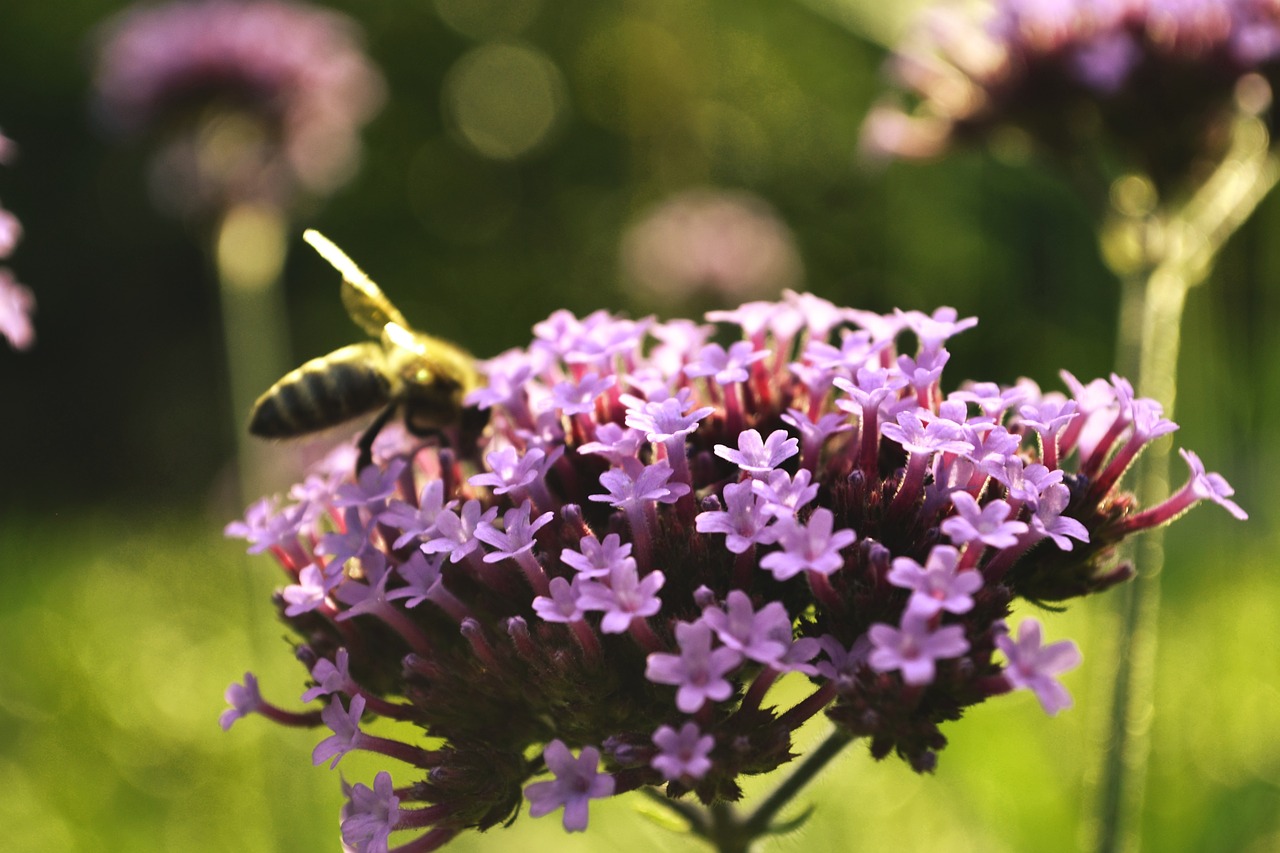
(17, 303)
(16, 307)
(1156, 74)
(267, 97)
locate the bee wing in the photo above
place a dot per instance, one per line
(365, 302)
(398, 335)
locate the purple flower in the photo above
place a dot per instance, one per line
(1211, 487)
(577, 782)
(854, 353)
(698, 671)
(516, 536)
(939, 436)
(752, 317)
(1201, 486)
(511, 471)
(625, 598)
(992, 400)
(313, 587)
(663, 420)
(682, 754)
(914, 649)
(1048, 520)
(562, 604)
(421, 574)
(744, 522)
(760, 456)
(416, 522)
(764, 636)
(372, 487)
(371, 814)
(842, 665)
(1035, 667)
(348, 544)
(345, 725)
(266, 526)
(650, 485)
(330, 677)
(596, 559)
(816, 432)
(244, 700)
(725, 366)
(936, 586)
(458, 532)
(784, 495)
(813, 547)
(577, 398)
(616, 443)
(982, 524)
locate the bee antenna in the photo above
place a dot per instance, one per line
(337, 258)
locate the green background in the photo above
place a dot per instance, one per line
(124, 613)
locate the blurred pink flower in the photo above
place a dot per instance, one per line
(8, 149)
(730, 243)
(267, 96)
(17, 304)
(16, 307)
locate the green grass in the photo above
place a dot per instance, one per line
(120, 635)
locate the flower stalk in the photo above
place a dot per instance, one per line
(1193, 237)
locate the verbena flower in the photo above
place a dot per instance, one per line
(259, 99)
(613, 588)
(1154, 77)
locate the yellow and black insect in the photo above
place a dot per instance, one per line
(406, 370)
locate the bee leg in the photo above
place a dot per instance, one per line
(426, 432)
(365, 444)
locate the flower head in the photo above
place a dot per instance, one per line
(598, 567)
(1156, 77)
(282, 84)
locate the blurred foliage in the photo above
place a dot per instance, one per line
(481, 209)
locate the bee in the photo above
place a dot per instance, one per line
(405, 370)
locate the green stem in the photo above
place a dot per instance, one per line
(249, 250)
(1184, 254)
(720, 825)
(758, 823)
(1124, 773)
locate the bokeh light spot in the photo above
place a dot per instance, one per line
(504, 100)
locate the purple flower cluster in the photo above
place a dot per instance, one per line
(16, 301)
(655, 528)
(283, 83)
(1154, 76)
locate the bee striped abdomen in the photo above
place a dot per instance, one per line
(324, 392)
